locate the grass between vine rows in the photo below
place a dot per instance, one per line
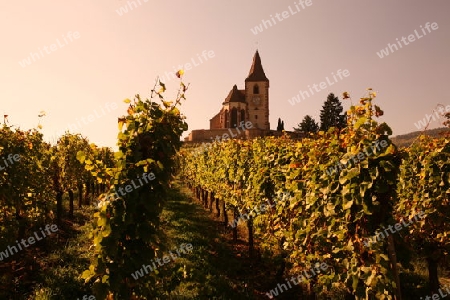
(217, 268)
(51, 269)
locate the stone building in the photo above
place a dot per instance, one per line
(247, 106)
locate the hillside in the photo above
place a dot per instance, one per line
(404, 140)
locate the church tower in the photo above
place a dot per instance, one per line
(257, 95)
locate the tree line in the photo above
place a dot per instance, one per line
(330, 116)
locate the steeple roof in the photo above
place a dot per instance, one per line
(256, 71)
(235, 95)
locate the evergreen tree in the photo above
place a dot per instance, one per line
(308, 125)
(280, 126)
(330, 115)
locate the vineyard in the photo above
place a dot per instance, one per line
(322, 200)
(337, 215)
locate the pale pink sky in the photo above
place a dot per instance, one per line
(112, 57)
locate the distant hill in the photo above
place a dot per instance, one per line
(405, 140)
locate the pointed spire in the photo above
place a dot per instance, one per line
(256, 71)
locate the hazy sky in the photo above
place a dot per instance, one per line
(73, 59)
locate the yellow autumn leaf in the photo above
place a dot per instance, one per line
(130, 110)
(163, 87)
(120, 122)
(167, 103)
(180, 73)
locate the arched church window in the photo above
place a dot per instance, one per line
(234, 117)
(226, 125)
(242, 115)
(255, 89)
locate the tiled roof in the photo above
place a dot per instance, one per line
(256, 71)
(235, 95)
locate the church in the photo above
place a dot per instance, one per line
(248, 106)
